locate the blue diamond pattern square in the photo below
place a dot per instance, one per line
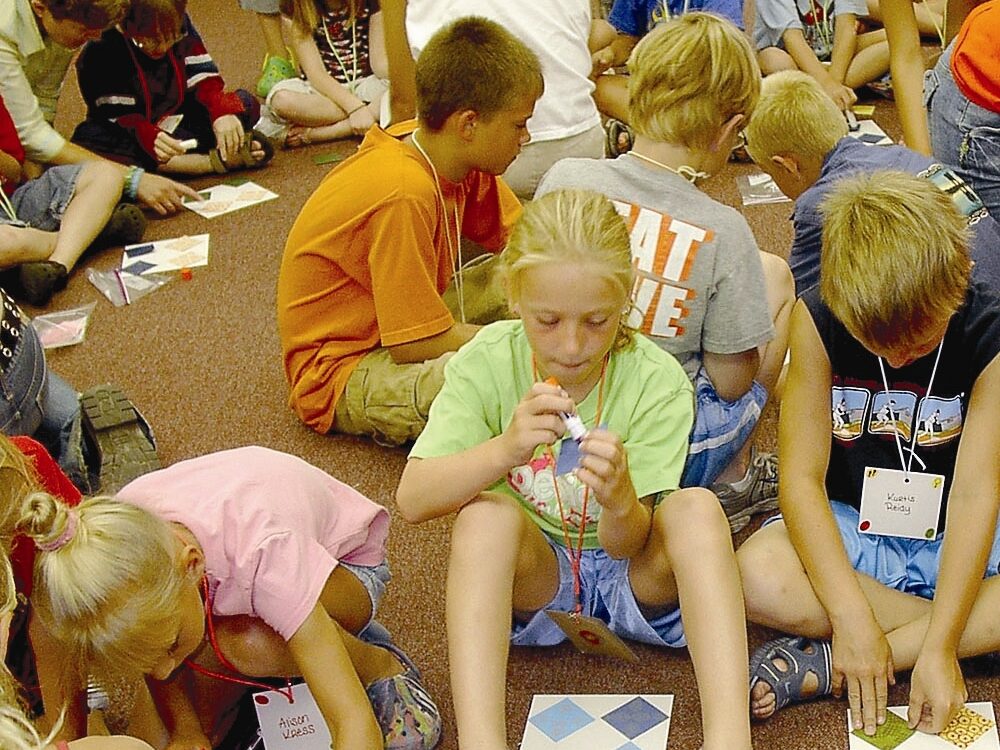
(629, 746)
(635, 717)
(561, 719)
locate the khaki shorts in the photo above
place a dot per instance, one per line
(390, 402)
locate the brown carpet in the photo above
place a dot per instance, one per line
(201, 359)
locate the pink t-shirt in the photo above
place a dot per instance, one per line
(272, 528)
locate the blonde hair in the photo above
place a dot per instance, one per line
(306, 13)
(474, 64)
(16, 730)
(110, 592)
(572, 227)
(794, 116)
(17, 481)
(689, 76)
(895, 256)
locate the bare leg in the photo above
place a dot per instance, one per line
(689, 557)
(24, 244)
(773, 59)
(270, 30)
(499, 562)
(871, 60)
(780, 287)
(98, 191)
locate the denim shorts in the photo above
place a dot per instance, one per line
(374, 578)
(721, 428)
(605, 593)
(41, 203)
(964, 135)
(907, 565)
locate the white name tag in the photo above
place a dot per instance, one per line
(296, 725)
(591, 636)
(896, 503)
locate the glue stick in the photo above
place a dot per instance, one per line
(573, 423)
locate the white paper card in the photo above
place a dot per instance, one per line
(291, 726)
(897, 503)
(598, 722)
(870, 134)
(166, 255)
(223, 199)
(973, 729)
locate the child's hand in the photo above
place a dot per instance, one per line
(228, 135)
(604, 468)
(843, 96)
(166, 147)
(361, 121)
(601, 60)
(536, 421)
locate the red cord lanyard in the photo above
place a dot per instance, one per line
(145, 86)
(575, 555)
(210, 626)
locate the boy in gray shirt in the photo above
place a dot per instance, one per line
(705, 293)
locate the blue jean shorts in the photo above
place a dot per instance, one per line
(41, 203)
(605, 593)
(374, 578)
(721, 428)
(907, 565)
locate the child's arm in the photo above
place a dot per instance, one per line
(624, 524)
(59, 683)
(319, 651)
(845, 42)
(906, 63)
(608, 46)
(862, 659)
(433, 487)
(174, 707)
(800, 51)
(317, 74)
(399, 61)
(937, 689)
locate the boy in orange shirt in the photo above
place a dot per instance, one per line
(365, 329)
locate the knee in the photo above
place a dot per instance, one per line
(773, 59)
(778, 279)
(692, 517)
(491, 514)
(761, 565)
(279, 103)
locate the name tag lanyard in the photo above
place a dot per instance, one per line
(238, 680)
(895, 430)
(576, 555)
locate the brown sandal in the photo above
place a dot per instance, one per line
(244, 158)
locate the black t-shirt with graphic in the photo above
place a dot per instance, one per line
(864, 437)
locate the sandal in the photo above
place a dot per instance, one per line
(273, 70)
(803, 656)
(619, 138)
(244, 158)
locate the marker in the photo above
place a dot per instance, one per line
(189, 144)
(574, 424)
(852, 121)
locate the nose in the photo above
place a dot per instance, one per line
(572, 339)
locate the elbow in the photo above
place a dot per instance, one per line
(408, 506)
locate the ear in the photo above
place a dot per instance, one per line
(726, 132)
(466, 121)
(787, 163)
(39, 7)
(193, 561)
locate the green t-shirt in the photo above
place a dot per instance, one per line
(648, 401)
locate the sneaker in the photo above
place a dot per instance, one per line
(403, 709)
(38, 280)
(275, 69)
(756, 493)
(122, 437)
(883, 87)
(125, 227)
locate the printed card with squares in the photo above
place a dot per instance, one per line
(973, 728)
(225, 198)
(871, 134)
(166, 255)
(598, 722)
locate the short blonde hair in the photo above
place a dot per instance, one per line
(474, 64)
(110, 593)
(794, 116)
(895, 256)
(572, 227)
(688, 76)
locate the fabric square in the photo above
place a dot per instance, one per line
(561, 720)
(965, 728)
(891, 734)
(635, 717)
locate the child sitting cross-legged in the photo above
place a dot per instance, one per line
(155, 98)
(640, 547)
(211, 545)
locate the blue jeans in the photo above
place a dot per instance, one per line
(964, 135)
(38, 403)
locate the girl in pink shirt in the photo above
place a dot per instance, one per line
(241, 562)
